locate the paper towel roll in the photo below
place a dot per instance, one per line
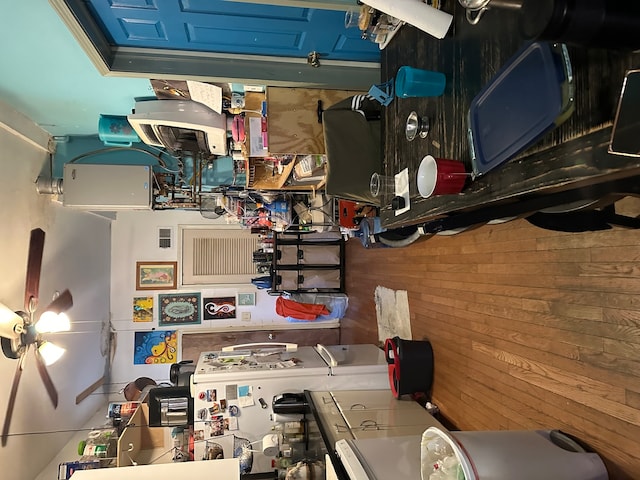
(428, 19)
(270, 445)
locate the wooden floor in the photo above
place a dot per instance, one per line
(531, 329)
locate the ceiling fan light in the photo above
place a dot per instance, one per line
(11, 324)
(50, 353)
(53, 322)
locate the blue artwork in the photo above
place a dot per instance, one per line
(156, 347)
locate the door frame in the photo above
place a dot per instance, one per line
(207, 66)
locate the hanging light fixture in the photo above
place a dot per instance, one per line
(50, 353)
(51, 322)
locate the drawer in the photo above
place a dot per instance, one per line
(371, 400)
(317, 278)
(365, 419)
(287, 255)
(319, 255)
(287, 280)
(390, 432)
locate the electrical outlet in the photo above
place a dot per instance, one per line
(246, 316)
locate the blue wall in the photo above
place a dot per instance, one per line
(49, 78)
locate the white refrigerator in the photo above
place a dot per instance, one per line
(233, 390)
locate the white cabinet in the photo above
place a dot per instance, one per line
(378, 414)
(371, 400)
(356, 414)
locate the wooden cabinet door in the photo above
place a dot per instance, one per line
(293, 118)
(196, 343)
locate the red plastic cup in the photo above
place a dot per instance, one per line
(439, 176)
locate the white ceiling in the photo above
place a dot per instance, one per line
(76, 256)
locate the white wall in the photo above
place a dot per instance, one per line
(135, 238)
(76, 256)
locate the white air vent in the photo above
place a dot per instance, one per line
(214, 256)
(165, 237)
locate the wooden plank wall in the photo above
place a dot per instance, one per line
(293, 118)
(531, 329)
(196, 343)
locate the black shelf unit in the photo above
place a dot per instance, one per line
(308, 262)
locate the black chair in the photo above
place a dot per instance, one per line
(353, 144)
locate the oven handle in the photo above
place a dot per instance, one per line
(289, 347)
(332, 360)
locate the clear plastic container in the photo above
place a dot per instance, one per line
(440, 458)
(100, 444)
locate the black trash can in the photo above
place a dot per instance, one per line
(410, 366)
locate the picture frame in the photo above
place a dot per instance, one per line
(179, 309)
(219, 308)
(246, 299)
(143, 309)
(156, 347)
(156, 275)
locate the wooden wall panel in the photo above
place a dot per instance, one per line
(194, 344)
(293, 118)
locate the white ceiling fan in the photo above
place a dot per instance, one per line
(21, 330)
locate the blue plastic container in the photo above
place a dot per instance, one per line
(115, 131)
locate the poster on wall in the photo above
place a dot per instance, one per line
(179, 309)
(246, 299)
(143, 309)
(156, 275)
(155, 347)
(217, 308)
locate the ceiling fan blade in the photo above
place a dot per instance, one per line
(12, 401)
(34, 265)
(46, 379)
(62, 303)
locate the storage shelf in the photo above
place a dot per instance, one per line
(308, 262)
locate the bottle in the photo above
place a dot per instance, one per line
(291, 431)
(100, 444)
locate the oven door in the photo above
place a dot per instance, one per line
(378, 458)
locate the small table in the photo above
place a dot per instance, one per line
(568, 164)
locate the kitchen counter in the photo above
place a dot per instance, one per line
(565, 165)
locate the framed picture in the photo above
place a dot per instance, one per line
(156, 275)
(143, 309)
(218, 308)
(246, 299)
(155, 347)
(179, 309)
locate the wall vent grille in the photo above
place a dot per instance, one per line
(165, 237)
(214, 256)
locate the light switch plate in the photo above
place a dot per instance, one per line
(246, 316)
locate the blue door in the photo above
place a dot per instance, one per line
(231, 27)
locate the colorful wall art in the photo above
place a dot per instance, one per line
(155, 347)
(143, 309)
(179, 309)
(216, 308)
(156, 275)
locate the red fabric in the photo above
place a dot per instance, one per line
(301, 311)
